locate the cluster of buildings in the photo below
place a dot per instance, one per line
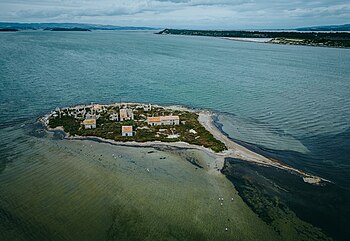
(91, 113)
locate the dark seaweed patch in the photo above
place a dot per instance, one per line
(193, 161)
(275, 194)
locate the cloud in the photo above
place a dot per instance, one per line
(181, 13)
(336, 10)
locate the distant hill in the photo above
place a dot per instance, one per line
(344, 27)
(43, 26)
(67, 29)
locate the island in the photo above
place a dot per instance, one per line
(134, 122)
(147, 125)
(320, 39)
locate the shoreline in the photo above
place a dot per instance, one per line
(252, 40)
(309, 38)
(238, 151)
(279, 42)
(234, 150)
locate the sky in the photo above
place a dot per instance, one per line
(199, 14)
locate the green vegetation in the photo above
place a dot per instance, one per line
(329, 39)
(142, 131)
(70, 124)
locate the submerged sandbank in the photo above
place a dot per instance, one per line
(86, 190)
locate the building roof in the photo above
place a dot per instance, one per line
(126, 129)
(170, 117)
(89, 122)
(153, 119)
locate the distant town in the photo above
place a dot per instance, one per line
(133, 122)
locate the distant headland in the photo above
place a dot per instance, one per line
(68, 26)
(314, 38)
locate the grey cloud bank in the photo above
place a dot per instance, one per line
(222, 14)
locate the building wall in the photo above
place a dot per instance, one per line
(154, 123)
(127, 134)
(90, 126)
(165, 122)
(126, 114)
(170, 122)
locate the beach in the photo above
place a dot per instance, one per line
(255, 40)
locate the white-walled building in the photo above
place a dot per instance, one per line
(126, 114)
(127, 131)
(163, 120)
(97, 108)
(147, 107)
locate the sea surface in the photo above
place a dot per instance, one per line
(291, 103)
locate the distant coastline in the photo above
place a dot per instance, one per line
(205, 118)
(50, 26)
(68, 29)
(318, 39)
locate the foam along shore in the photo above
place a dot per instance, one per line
(234, 150)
